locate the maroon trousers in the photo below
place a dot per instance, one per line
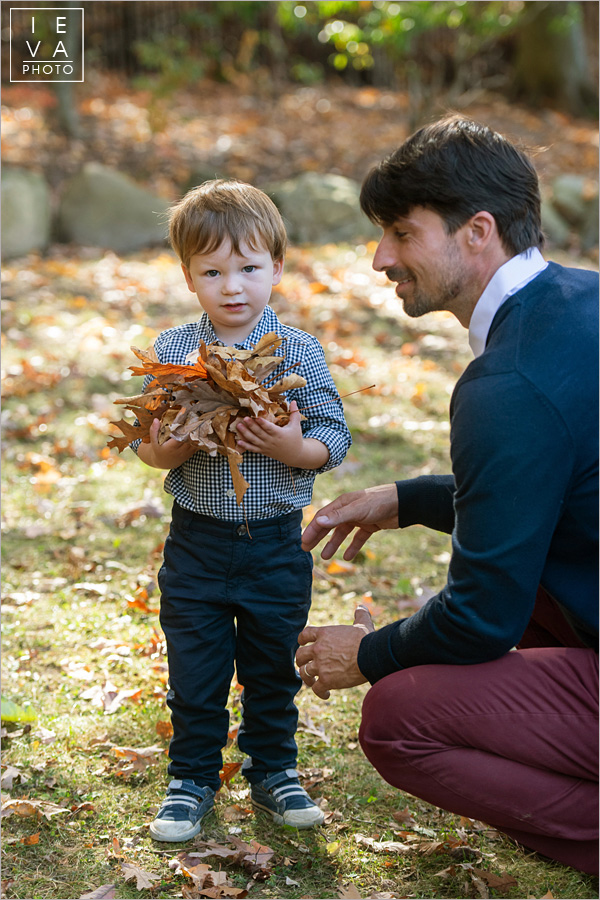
(512, 743)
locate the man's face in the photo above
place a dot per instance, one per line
(428, 264)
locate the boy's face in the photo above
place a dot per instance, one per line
(233, 290)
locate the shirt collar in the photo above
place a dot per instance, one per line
(510, 278)
(268, 322)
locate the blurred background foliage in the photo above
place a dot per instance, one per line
(533, 52)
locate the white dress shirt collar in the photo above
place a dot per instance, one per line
(510, 278)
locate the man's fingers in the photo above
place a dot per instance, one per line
(320, 691)
(362, 616)
(336, 540)
(307, 636)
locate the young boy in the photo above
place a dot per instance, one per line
(232, 593)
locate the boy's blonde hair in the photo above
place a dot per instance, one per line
(224, 208)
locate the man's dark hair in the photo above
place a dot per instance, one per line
(456, 168)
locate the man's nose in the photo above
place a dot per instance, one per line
(384, 257)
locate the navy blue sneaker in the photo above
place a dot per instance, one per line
(180, 815)
(281, 795)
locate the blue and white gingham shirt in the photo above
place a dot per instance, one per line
(203, 484)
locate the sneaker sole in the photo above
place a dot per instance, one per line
(184, 834)
(295, 818)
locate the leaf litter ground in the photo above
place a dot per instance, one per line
(82, 537)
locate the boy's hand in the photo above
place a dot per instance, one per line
(169, 455)
(282, 442)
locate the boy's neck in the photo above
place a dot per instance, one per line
(231, 336)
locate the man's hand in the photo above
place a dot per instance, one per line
(282, 442)
(368, 511)
(327, 656)
(169, 455)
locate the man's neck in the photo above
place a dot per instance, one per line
(481, 275)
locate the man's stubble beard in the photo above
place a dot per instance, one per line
(452, 284)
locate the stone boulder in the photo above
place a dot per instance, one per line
(321, 209)
(570, 197)
(100, 207)
(556, 230)
(25, 212)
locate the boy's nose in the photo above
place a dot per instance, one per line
(231, 286)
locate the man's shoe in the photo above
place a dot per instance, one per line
(180, 815)
(281, 795)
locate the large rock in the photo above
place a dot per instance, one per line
(589, 227)
(569, 197)
(103, 208)
(556, 230)
(321, 209)
(25, 212)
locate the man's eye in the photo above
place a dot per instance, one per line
(400, 234)
(248, 268)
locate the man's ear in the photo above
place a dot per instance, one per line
(277, 270)
(188, 278)
(481, 231)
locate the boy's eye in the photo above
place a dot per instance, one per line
(248, 268)
(212, 273)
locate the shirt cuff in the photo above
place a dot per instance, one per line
(375, 657)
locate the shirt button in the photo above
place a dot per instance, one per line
(241, 530)
(230, 492)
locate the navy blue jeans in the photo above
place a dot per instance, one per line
(228, 598)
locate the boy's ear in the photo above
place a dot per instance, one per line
(188, 278)
(277, 270)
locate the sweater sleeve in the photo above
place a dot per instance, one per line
(427, 500)
(512, 458)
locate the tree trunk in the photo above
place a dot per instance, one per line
(552, 62)
(68, 117)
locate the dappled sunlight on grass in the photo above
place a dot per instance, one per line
(82, 538)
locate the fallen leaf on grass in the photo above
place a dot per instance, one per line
(340, 566)
(494, 881)
(31, 839)
(82, 807)
(109, 697)
(206, 882)
(26, 808)
(236, 813)
(9, 776)
(252, 857)
(44, 735)
(138, 760)
(349, 892)
(404, 816)
(164, 729)
(382, 846)
(306, 724)
(104, 892)
(144, 880)
(481, 879)
(228, 771)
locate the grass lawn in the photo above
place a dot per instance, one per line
(82, 535)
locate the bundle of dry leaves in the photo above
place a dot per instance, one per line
(203, 400)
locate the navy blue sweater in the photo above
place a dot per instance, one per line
(522, 502)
